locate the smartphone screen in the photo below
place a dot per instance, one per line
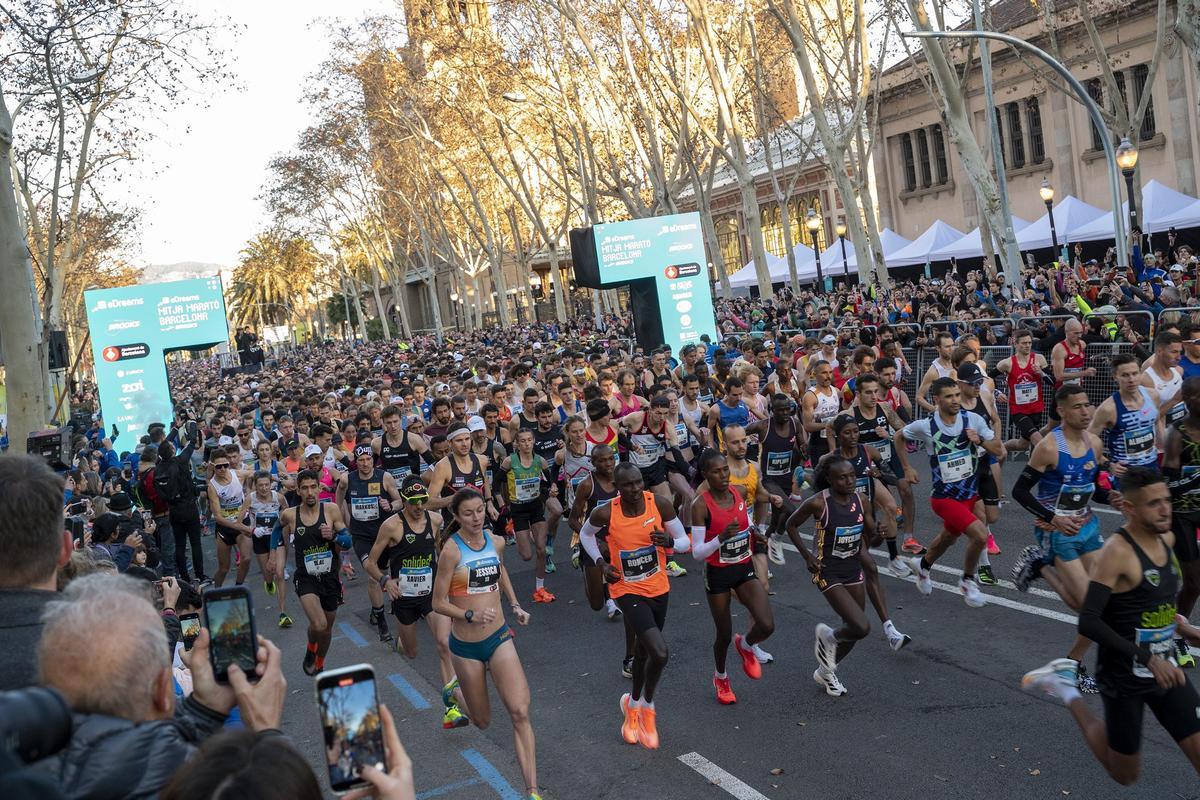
(230, 622)
(353, 734)
(189, 625)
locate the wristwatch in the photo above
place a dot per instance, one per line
(468, 615)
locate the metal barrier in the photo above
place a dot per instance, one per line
(1177, 314)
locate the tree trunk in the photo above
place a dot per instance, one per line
(758, 250)
(379, 307)
(19, 336)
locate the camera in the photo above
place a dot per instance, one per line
(34, 723)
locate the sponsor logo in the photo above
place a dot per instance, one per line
(121, 352)
(106, 305)
(682, 271)
(1152, 577)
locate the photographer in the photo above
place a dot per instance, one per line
(173, 481)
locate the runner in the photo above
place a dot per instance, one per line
(547, 439)
(877, 424)
(819, 406)
(470, 578)
(574, 465)
(641, 528)
(729, 411)
(365, 496)
(399, 451)
(940, 367)
(950, 433)
(1163, 374)
(1181, 466)
(228, 499)
(650, 440)
(976, 398)
(1024, 388)
(896, 399)
(721, 539)
(1128, 421)
(460, 469)
(318, 533)
(264, 506)
(527, 484)
(1130, 613)
(781, 452)
(1068, 360)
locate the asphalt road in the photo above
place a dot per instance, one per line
(945, 718)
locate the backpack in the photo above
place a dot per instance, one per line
(170, 482)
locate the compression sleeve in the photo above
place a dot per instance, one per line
(675, 529)
(587, 538)
(700, 548)
(1093, 626)
(342, 537)
(1023, 494)
(1180, 485)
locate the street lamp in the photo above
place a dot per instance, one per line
(841, 232)
(1127, 158)
(814, 222)
(1047, 193)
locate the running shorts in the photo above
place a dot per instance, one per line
(326, 587)
(643, 613)
(957, 515)
(719, 580)
(227, 535)
(525, 515)
(838, 572)
(1026, 425)
(1175, 709)
(1068, 548)
(261, 544)
(1187, 549)
(362, 549)
(653, 476)
(408, 610)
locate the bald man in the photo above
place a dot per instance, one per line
(1067, 361)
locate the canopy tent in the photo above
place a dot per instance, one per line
(776, 266)
(971, 245)
(831, 259)
(920, 250)
(1070, 216)
(1161, 208)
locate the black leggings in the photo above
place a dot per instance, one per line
(186, 531)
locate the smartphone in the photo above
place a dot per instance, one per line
(229, 617)
(189, 625)
(350, 726)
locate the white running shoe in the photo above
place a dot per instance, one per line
(898, 566)
(825, 647)
(833, 687)
(971, 594)
(611, 609)
(1054, 678)
(924, 579)
(897, 640)
(775, 549)
(762, 655)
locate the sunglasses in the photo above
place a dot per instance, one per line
(220, 466)
(417, 501)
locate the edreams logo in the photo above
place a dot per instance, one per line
(682, 271)
(122, 352)
(105, 305)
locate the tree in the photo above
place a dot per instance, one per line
(273, 264)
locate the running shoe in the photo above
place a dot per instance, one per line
(725, 695)
(310, 663)
(269, 586)
(971, 594)
(629, 723)
(750, 663)
(575, 557)
(775, 549)
(898, 566)
(373, 618)
(204, 584)
(1183, 656)
(1054, 678)
(674, 570)
(828, 679)
(627, 667)
(647, 729)
(993, 549)
(1084, 682)
(912, 546)
(924, 579)
(825, 647)
(986, 576)
(453, 718)
(762, 655)
(611, 609)
(448, 693)
(284, 620)
(550, 568)
(897, 640)
(543, 596)
(1028, 567)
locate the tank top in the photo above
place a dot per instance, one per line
(952, 461)
(867, 434)
(641, 565)
(1131, 438)
(1024, 387)
(778, 453)
(1189, 464)
(273, 470)
(827, 408)
(1072, 361)
(695, 415)
(575, 469)
(1166, 390)
(635, 404)
(610, 439)
(478, 571)
(400, 461)
(839, 529)
(749, 481)
(1145, 615)
(326, 481)
(524, 483)
(1066, 489)
(942, 370)
(413, 560)
(230, 496)
(599, 496)
(473, 478)
(362, 499)
(737, 415)
(314, 554)
(653, 445)
(735, 549)
(264, 513)
(892, 398)
(546, 443)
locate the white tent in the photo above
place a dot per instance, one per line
(919, 250)
(777, 267)
(971, 245)
(831, 259)
(1160, 209)
(1070, 216)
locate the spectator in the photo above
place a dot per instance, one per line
(35, 544)
(173, 481)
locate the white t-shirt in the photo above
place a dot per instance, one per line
(920, 431)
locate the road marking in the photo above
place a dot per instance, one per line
(491, 776)
(447, 789)
(410, 693)
(721, 778)
(352, 634)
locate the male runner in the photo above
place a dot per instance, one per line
(877, 424)
(1181, 466)
(526, 478)
(1067, 362)
(940, 367)
(729, 411)
(781, 451)
(365, 497)
(1128, 420)
(547, 439)
(818, 407)
(976, 397)
(1163, 374)
(896, 399)
(1130, 613)
(399, 451)
(1024, 371)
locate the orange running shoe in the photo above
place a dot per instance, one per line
(750, 663)
(543, 596)
(993, 549)
(911, 545)
(647, 732)
(725, 695)
(629, 726)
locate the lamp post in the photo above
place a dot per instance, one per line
(454, 304)
(535, 291)
(1047, 193)
(814, 222)
(1127, 158)
(841, 232)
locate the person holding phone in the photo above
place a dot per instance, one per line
(470, 578)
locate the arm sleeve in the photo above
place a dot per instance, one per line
(1093, 626)
(675, 528)
(700, 548)
(1023, 494)
(587, 538)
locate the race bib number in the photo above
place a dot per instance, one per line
(1073, 500)
(1176, 413)
(264, 524)
(1026, 392)
(364, 509)
(956, 466)
(779, 463)
(885, 450)
(846, 539)
(1160, 641)
(483, 576)
(1188, 472)
(1139, 443)
(416, 581)
(862, 483)
(400, 473)
(318, 562)
(649, 455)
(735, 549)
(230, 512)
(640, 564)
(682, 433)
(527, 489)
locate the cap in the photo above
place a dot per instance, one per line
(1176, 268)
(364, 450)
(414, 492)
(1105, 311)
(969, 373)
(224, 440)
(312, 450)
(476, 423)
(290, 443)
(829, 338)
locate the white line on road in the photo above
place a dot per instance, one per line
(721, 778)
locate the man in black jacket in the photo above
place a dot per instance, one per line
(173, 481)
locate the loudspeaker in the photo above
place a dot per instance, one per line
(583, 258)
(54, 446)
(59, 357)
(647, 324)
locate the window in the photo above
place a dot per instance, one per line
(814, 202)
(772, 229)
(910, 166)
(1012, 113)
(1000, 134)
(1140, 73)
(1037, 139)
(1097, 94)
(939, 154)
(730, 243)
(923, 158)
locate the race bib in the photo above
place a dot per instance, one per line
(1073, 500)
(318, 562)
(846, 539)
(231, 512)
(735, 549)
(483, 576)
(1188, 472)
(640, 564)
(885, 450)
(364, 509)
(955, 466)
(527, 489)
(400, 473)
(862, 483)
(1026, 392)
(682, 433)
(1138, 443)
(1176, 413)
(264, 524)
(648, 457)
(1161, 642)
(779, 463)
(415, 581)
